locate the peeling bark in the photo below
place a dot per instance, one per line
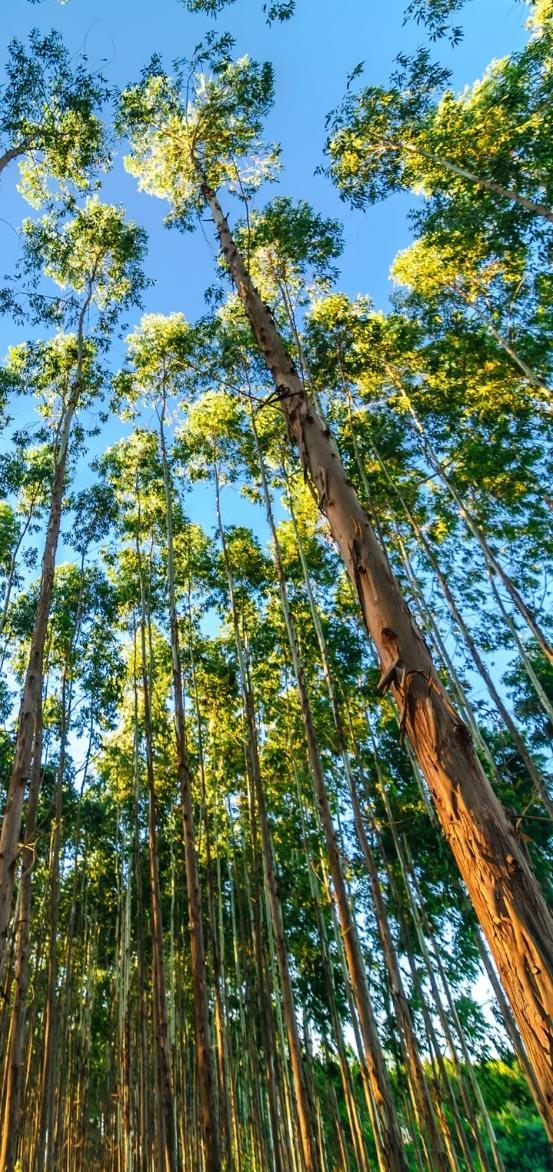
(504, 892)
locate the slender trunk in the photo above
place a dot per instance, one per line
(65, 1080)
(45, 1150)
(225, 1073)
(345, 1072)
(512, 1031)
(526, 661)
(165, 1122)
(468, 1113)
(209, 1124)
(428, 620)
(308, 1141)
(11, 581)
(391, 1154)
(506, 717)
(143, 1095)
(422, 1103)
(46, 1154)
(30, 700)
(502, 341)
(259, 981)
(490, 558)
(505, 894)
(436, 958)
(13, 1117)
(537, 209)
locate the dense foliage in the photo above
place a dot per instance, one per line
(232, 932)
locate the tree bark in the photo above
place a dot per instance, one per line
(508, 721)
(12, 1116)
(30, 700)
(505, 894)
(167, 1154)
(209, 1123)
(307, 1135)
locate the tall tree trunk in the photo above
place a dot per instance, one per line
(209, 1122)
(490, 558)
(32, 687)
(307, 1135)
(526, 661)
(345, 1071)
(11, 578)
(45, 1149)
(165, 1123)
(422, 1103)
(12, 1116)
(225, 1073)
(502, 887)
(448, 1089)
(386, 1129)
(531, 767)
(430, 1134)
(471, 1077)
(46, 1153)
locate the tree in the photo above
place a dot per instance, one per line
(491, 138)
(98, 255)
(474, 822)
(50, 116)
(239, 938)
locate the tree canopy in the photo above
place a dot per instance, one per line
(276, 687)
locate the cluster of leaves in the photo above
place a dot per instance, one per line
(434, 402)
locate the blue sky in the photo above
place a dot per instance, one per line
(312, 55)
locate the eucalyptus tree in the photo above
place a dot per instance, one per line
(51, 115)
(79, 698)
(209, 434)
(400, 404)
(24, 479)
(159, 352)
(460, 405)
(283, 267)
(494, 138)
(184, 151)
(131, 468)
(423, 1109)
(96, 256)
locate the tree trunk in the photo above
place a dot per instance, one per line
(386, 1131)
(30, 700)
(490, 558)
(209, 1123)
(537, 209)
(308, 1141)
(518, 740)
(502, 887)
(165, 1122)
(13, 1117)
(430, 1135)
